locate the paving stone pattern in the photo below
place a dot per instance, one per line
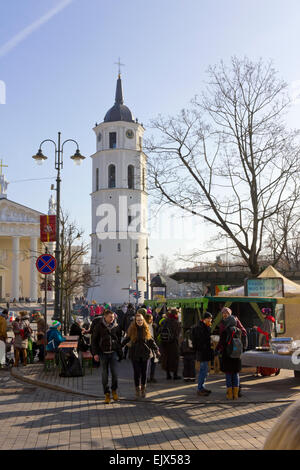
(171, 418)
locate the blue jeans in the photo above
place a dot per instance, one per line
(232, 380)
(109, 361)
(202, 375)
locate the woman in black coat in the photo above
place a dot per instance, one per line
(231, 366)
(141, 348)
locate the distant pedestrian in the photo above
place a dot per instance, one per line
(22, 331)
(3, 337)
(201, 340)
(106, 347)
(127, 319)
(169, 333)
(40, 338)
(142, 348)
(92, 312)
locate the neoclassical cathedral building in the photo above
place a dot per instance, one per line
(119, 200)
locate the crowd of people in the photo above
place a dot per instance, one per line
(146, 337)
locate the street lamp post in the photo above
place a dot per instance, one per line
(40, 158)
(147, 257)
(137, 280)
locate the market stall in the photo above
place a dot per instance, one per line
(283, 353)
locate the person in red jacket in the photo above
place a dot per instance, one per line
(267, 329)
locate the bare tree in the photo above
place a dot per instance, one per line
(75, 277)
(230, 160)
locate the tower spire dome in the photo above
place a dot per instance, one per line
(119, 112)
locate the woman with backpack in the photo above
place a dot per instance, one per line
(141, 348)
(231, 362)
(169, 344)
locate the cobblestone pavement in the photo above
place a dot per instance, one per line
(171, 418)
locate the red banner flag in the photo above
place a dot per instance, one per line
(48, 228)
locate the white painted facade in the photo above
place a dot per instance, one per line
(114, 243)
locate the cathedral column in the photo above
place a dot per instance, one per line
(33, 270)
(15, 268)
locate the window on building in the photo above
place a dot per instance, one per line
(118, 269)
(140, 143)
(112, 140)
(130, 176)
(100, 248)
(97, 179)
(119, 247)
(137, 248)
(111, 176)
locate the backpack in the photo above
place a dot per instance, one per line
(234, 345)
(26, 333)
(166, 334)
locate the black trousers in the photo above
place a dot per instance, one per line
(140, 372)
(189, 367)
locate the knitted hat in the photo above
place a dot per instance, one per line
(142, 311)
(207, 315)
(55, 324)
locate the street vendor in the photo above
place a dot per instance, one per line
(266, 331)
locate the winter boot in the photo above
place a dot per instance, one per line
(235, 393)
(115, 395)
(229, 394)
(107, 398)
(137, 392)
(143, 391)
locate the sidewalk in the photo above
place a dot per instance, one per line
(282, 388)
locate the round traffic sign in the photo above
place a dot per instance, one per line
(46, 264)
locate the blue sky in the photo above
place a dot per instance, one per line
(57, 60)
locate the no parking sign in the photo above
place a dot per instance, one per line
(46, 264)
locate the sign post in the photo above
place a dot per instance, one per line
(46, 264)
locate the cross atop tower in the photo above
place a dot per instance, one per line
(120, 65)
(2, 166)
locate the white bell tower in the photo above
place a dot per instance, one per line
(119, 207)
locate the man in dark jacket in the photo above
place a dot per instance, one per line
(106, 347)
(204, 352)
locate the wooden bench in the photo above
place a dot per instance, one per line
(87, 359)
(49, 360)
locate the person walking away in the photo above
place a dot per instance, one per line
(3, 337)
(204, 353)
(22, 331)
(169, 344)
(142, 348)
(153, 331)
(226, 312)
(106, 347)
(188, 353)
(230, 346)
